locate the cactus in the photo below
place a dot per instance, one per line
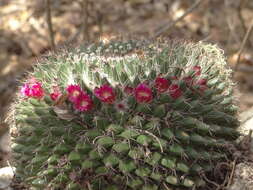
(124, 115)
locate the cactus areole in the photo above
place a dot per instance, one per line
(124, 115)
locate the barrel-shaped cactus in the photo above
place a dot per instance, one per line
(124, 115)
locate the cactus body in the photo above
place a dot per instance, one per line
(128, 115)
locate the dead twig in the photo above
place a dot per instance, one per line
(232, 173)
(88, 185)
(167, 188)
(49, 24)
(85, 28)
(245, 39)
(168, 26)
(209, 181)
(239, 12)
(100, 22)
(156, 138)
(231, 24)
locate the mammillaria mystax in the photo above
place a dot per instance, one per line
(119, 120)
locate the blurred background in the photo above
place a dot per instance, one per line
(29, 29)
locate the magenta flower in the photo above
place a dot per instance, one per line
(128, 90)
(73, 92)
(83, 102)
(202, 83)
(188, 80)
(105, 93)
(162, 84)
(197, 70)
(175, 91)
(143, 93)
(37, 90)
(33, 90)
(56, 93)
(25, 90)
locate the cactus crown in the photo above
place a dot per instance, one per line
(127, 115)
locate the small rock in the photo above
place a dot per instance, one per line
(243, 177)
(247, 125)
(246, 118)
(6, 175)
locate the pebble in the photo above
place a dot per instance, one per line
(6, 175)
(247, 124)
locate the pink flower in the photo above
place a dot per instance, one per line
(202, 83)
(56, 93)
(162, 84)
(188, 80)
(197, 70)
(105, 93)
(128, 90)
(143, 93)
(37, 90)
(73, 92)
(83, 102)
(25, 90)
(33, 90)
(175, 91)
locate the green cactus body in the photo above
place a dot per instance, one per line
(165, 115)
